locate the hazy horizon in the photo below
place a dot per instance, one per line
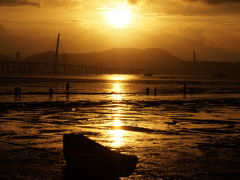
(13, 54)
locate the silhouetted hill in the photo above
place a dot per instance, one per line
(114, 58)
(46, 57)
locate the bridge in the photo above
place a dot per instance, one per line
(15, 68)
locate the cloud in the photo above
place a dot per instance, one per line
(215, 2)
(205, 1)
(190, 7)
(18, 3)
(66, 4)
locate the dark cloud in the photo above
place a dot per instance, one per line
(206, 1)
(213, 2)
(18, 3)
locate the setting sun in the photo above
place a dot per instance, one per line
(120, 16)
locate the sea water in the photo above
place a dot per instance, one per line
(174, 136)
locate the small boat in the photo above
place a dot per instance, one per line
(90, 157)
(148, 74)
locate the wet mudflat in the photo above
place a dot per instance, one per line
(197, 137)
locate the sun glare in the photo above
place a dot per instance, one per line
(119, 17)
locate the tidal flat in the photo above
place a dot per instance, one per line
(196, 137)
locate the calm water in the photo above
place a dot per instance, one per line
(174, 137)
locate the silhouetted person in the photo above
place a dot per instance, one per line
(155, 91)
(147, 91)
(190, 90)
(50, 93)
(19, 94)
(67, 88)
(67, 91)
(16, 91)
(19, 91)
(184, 89)
(67, 97)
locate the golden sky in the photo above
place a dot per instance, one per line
(212, 27)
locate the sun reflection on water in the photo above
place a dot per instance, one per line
(117, 137)
(117, 77)
(117, 87)
(116, 133)
(117, 97)
(117, 123)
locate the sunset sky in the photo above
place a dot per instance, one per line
(212, 27)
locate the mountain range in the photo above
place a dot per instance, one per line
(130, 58)
(152, 58)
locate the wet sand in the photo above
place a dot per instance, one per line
(173, 138)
